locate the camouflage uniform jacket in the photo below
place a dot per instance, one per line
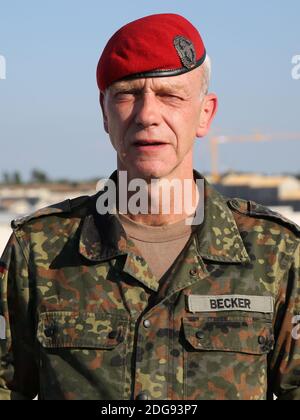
(82, 316)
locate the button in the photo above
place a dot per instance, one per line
(112, 335)
(193, 273)
(142, 396)
(262, 340)
(200, 335)
(268, 346)
(50, 331)
(147, 323)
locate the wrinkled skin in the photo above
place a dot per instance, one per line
(75, 292)
(171, 110)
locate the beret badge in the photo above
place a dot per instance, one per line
(186, 51)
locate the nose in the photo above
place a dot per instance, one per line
(147, 111)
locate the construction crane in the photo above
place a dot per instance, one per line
(217, 140)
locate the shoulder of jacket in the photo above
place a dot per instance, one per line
(252, 209)
(66, 206)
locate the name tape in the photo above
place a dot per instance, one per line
(264, 304)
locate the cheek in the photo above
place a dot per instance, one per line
(119, 119)
(184, 125)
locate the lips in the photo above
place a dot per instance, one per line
(143, 143)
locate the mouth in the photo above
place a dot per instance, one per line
(149, 144)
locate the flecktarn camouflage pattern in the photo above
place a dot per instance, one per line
(83, 317)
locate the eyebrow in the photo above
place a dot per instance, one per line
(124, 86)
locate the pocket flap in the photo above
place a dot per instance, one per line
(81, 329)
(229, 334)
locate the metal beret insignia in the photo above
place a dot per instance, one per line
(186, 51)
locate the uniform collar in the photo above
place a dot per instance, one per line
(217, 238)
(102, 236)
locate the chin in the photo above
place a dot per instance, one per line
(151, 171)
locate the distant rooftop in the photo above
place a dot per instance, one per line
(55, 187)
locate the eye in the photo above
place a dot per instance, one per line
(126, 94)
(171, 97)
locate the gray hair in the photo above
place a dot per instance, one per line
(206, 76)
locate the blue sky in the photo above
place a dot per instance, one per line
(49, 113)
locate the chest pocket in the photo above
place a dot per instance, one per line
(83, 355)
(81, 330)
(225, 356)
(229, 334)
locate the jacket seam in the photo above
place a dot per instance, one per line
(288, 269)
(22, 247)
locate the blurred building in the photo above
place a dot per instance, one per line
(281, 193)
(19, 200)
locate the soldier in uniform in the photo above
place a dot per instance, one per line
(145, 306)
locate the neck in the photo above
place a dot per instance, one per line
(159, 201)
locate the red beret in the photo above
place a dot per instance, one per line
(153, 46)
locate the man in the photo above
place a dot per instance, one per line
(144, 305)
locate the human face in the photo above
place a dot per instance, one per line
(152, 123)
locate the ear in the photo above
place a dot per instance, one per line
(105, 121)
(207, 114)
